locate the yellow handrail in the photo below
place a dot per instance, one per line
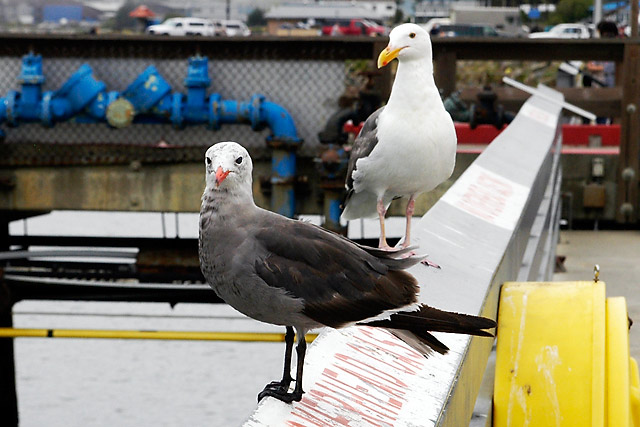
(146, 334)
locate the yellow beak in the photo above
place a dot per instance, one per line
(387, 55)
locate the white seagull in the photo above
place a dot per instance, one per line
(292, 273)
(406, 147)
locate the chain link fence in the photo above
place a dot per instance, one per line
(308, 89)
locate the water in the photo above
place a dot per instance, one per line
(110, 382)
(94, 382)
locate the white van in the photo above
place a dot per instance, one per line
(183, 27)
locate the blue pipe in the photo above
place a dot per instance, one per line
(197, 82)
(31, 79)
(76, 95)
(149, 99)
(149, 95)
(279, 121)
(257, 112)
(153, 101)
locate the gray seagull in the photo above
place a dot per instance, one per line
(295, 274)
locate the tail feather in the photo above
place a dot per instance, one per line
(444, 321)
(424, 342)
(428, 319)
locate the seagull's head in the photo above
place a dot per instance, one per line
(228, 164)
(406, 42)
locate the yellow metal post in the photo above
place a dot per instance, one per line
(563, 357)
(635, 393)
(550, 355)
(617, 363)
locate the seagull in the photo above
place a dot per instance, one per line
(294, 274)
(406, 147)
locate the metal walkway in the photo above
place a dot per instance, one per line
(617, 254)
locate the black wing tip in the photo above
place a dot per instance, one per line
(346, 198)
(433, 342)
(427, 319)
(467, 321)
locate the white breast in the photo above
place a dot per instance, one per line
(415, 153)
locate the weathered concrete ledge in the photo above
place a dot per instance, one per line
(478, 232)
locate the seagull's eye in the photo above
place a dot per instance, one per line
(412, 35)
(208, 161)
(239, 160)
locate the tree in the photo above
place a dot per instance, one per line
(572, 10)
(256, 18)
(122, 19)
(398, 18)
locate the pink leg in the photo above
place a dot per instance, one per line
(382, 243)
(407, 235)
(409, 213)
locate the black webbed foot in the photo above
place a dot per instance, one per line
(278, 391)
(280, 387)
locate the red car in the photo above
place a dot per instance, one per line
(354, 27)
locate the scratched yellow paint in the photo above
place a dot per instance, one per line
(622, 391)
(550, 355)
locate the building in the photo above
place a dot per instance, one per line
(327, 11)
(16, 13)
(381, 10)
(429, 9)
(504, 19)
(225, 9)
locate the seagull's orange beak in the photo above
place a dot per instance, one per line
(220, 176)
(387, 55)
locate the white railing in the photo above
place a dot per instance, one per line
(498, 222)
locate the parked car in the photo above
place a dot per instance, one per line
(432, 25)
(464, 30)
(183, 27)
(354, 27)
(235, 28)
(218, 27)
(564, 31)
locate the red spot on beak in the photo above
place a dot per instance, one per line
(220, 176)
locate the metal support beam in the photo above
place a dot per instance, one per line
(627, 182)
(445, 71)
(8, 397)
(634, 19)
(383, 82)
(602, 101)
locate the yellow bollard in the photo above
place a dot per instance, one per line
(550, 355)
(635, 393)
(617, 363)
(562, 357)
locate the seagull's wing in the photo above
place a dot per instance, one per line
(339, 281)
(364, 144)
